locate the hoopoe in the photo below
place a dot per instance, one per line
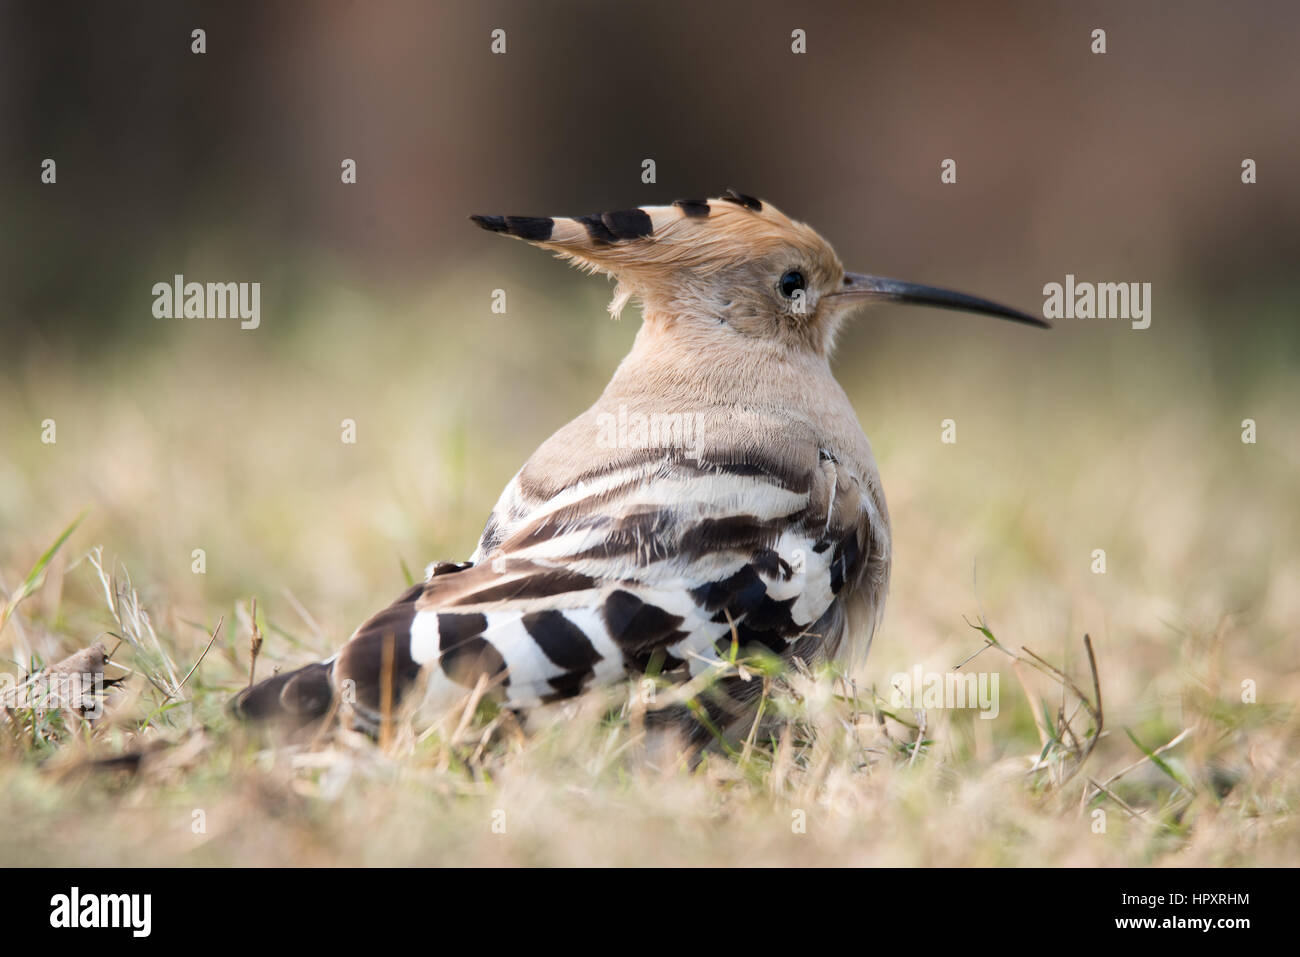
(753, 517)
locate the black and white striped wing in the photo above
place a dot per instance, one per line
(653, 561)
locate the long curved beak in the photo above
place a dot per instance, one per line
(858, 286)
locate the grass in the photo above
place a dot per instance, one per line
(1183, 750)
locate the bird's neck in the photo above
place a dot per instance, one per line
(682, 364)
(736, 392)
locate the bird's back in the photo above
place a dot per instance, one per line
(704, 502)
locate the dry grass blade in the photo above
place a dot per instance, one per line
(1063, 739)
(215, 631)
(136, 628)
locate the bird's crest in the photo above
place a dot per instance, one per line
(651, 246)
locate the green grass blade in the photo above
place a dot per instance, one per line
(1160, 762)
(34, 578)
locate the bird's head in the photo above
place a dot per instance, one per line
(730, 266)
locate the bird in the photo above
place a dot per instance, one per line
(719, 497)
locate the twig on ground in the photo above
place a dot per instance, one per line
(254, 643)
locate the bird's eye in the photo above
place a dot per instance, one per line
(791, 283)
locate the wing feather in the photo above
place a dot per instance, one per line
(659, 559)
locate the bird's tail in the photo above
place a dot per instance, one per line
(294, 697)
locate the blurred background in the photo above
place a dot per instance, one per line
(1122, 165)
(176, 435)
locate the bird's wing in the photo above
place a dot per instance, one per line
(662, 558)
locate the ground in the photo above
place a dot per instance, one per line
(207, 438)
